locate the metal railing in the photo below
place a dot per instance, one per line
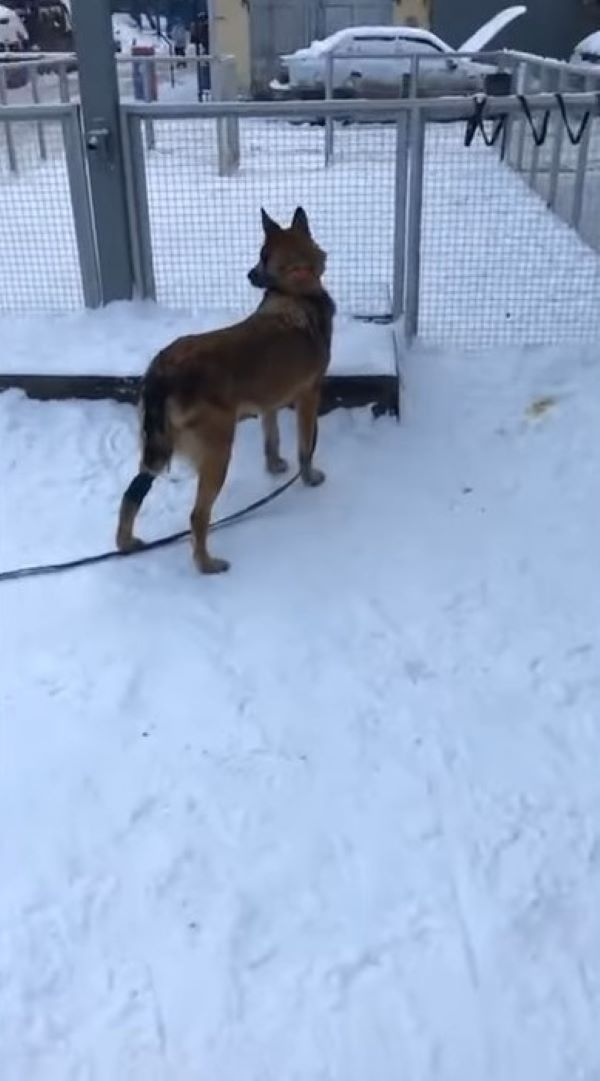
(54, 78)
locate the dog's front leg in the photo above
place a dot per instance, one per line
(212, 470)
(274, 462)
(307, 408)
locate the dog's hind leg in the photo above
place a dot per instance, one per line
(274, 462)
(212, 470)
(307, 408)
(157, 448)
(130, 505)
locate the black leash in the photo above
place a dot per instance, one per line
(162, 542)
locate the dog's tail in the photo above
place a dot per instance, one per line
(157, 444)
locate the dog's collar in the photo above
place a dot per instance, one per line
(301, 273)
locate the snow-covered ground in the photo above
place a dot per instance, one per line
(496, 266)
(337, 814)
(121, 339)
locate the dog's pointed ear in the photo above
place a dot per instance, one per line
(270, 227)
(300, 221)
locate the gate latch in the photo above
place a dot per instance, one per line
(97, 141)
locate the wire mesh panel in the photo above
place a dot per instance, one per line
(497, 266)
(39, 267)
(205, 229)
(565, 169)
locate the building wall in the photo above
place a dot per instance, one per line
(233, 29)
(411, 12)
(233, 36)
(550, 27)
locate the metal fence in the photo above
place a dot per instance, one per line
(451, 240)
(48, 254)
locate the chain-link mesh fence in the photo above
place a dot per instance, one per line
(205, 229)
(39, 259)
(561, 161)
(497, 266)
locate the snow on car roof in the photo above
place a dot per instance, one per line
(325, 45)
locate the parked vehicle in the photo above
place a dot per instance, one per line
(588, 51)
(13, 41)
(375, 61)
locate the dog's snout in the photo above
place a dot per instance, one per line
(258, 277)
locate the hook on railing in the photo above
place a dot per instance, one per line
(475, 124)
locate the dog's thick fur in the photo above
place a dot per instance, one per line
(197, 389)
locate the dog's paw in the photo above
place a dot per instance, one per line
(313, 477)
(277, 465)
(127, 545)
(212, 565)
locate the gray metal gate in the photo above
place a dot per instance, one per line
(337, 14)
(281, 26)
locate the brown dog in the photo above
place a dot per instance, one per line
(197, 389)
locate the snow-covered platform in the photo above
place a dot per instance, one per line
(102, 354)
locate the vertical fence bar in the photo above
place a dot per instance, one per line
(63, 83)
(82, 213)
(8, 130)
(400, 193)
(507, 135)
(581, 168)
(557, 145)
(535, 149)
(329, 120)
(148, 96)
(224, 88)
(35, 94)
(137, 202)
(522, 87)
(415, 214)
(232, 123)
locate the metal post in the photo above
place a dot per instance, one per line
(82, 217)
(35, 94)
(581, 168)
(329, 121)
(400, 191)
(8, 131)
(415, 214)
(213, 45)
(98, 87)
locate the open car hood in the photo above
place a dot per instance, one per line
(482, 37)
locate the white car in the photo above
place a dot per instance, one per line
(373, 59)
(13, 40)
(588, 51)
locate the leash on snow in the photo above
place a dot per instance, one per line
(162, 542)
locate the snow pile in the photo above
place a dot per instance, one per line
(336, 814)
